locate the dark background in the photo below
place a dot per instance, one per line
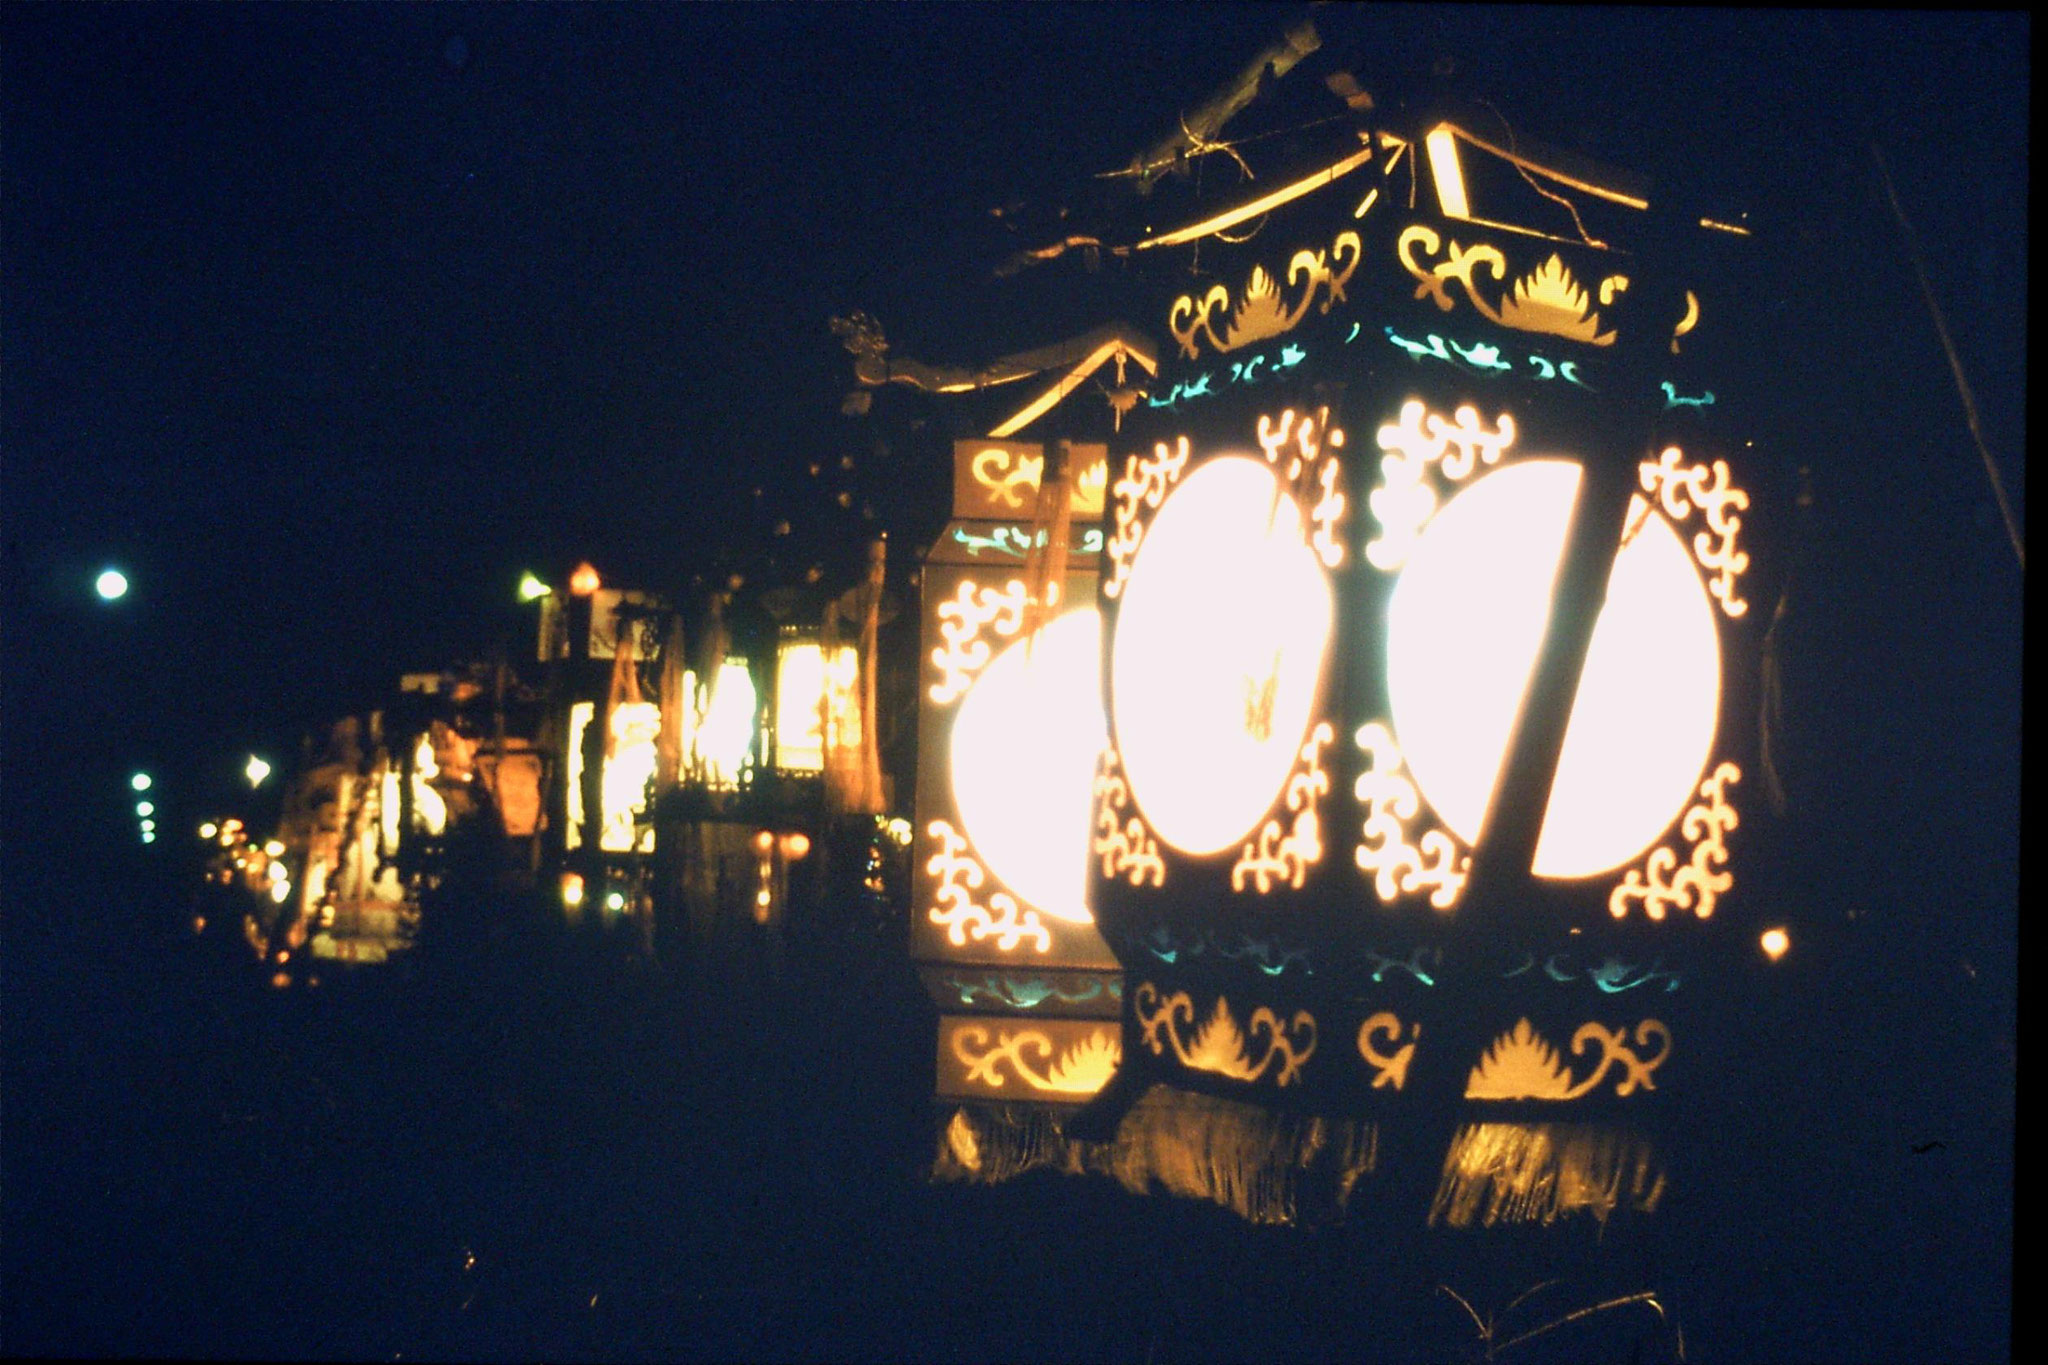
(325, 322)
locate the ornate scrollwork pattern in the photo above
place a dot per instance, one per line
(1287, 856)
(1398, 867)
(1012, 478)
(1520, 1065)
(965, 919)
(1683, 489)
(1084, 1068)
(1218, 1045)
(1144, 483)
(1547, 299)
(962, 618)
(1386, 1028)
(1126, 847)
(1405, 502)
(1327, 512)
(1661, 883)
(1262, 310)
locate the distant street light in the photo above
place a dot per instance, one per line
(531, 588)
(256, 771)
(140, 782)
(111, 584)
(145, 808)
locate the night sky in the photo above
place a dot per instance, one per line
(324, 322)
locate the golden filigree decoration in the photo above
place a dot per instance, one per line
(1144, 483)
(1547, 299)
(1294, 444)
(1012, 478)
(962, 618)
(1398, 867)
(1218, 1045)
(1084, 1068)
(1420, 439)
(1520, 1065)
(1287, 855)
(1263, 310)
(965, 919)
(1684, 489)
(1391, 1069)
(1126, 847)
(1661, 883)
(1327, 512)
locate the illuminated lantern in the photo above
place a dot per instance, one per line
(1010, 727)
(1427, 619)
(585, 580)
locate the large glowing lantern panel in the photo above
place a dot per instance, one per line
(1024, 747)
(1464, 626)
(1219, 648)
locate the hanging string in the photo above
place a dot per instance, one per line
(1955, 364)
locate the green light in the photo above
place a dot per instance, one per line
(145, 808)
(531, 588)
(111, 584)
(140, 782)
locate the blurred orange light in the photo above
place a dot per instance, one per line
(764, 842)
(1776, 943)
(584, 581)
(795, 845)
(572, 888)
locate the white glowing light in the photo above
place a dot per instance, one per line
(208, 830)
(614, 900)
(1463, 630)
(275, 848)
(1775, 943)
(531, 588)
(256, 771)
(139, 782)
(1024, 746)
(148, 826)
(725, 734)
(111, 584)
(1219, 652)
(636, 726)
(572, 889)
(145, 808)
(280, 891)
(1642, 727)
(806, 690)
(148, 836)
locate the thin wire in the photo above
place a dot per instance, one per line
(1569, 206)
(1955, 364)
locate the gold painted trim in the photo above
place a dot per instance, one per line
(1125, 845)
(1218, 1045)
(1262, 311)
(1548, 299)
(1521, 1065)
(1661, 884)
(963, 918)
(1271, 856)
(1083, 1068)
(1285, 194)
(1398, 867)
(1389, 1069)
(1144, 482)
(1404, 502)
(962, 618)
(1704, 489)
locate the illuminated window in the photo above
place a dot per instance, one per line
(725, 729)
(1023, 752)
(1219, 650)
(809, 697)
(1463, 630)
(623, 786)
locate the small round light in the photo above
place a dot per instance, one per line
(274, 848)
(1776, 943)
(795, 845)
(145, 808)
(111, 585)
(140, 782)
(149, 826)
(531, 588)
(572, 889)
(208, 830)
(280, 892)
(256, 770)
(149, 836)
(764, 842)
(585, 580)
(614, 901)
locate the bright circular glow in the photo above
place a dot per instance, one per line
(275, 848)
(1463, 629)
(1642, 726)
(208, 830)
(148, 826)
(145, 808)
(1024, 746)
(614, 900)
(1776, 943)
(1219, 650)
(111, 584)
(149, 836)
(256, 770)
(139, 782)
